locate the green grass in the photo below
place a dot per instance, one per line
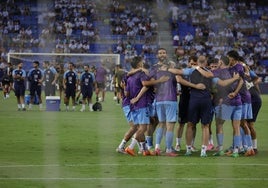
(74, 149)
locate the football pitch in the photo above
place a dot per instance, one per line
(75, 149)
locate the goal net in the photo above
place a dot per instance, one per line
(62, 59)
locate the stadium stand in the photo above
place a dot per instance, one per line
(109, 27)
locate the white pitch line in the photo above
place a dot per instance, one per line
(133, 164)
(121, 179)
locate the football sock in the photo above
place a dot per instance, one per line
(249, 141)
(254, 143)
(220, 139)
(204, 148)
(133, 143)
(90, 106)
(149, 141)
(188, 148)
(122, 144)
(159, 134)
(178, 141)
(83, 106)
(143, 146)
(243, 137)
(169, 139)
(237, 141)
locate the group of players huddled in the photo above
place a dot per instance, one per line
(223, 88)
(49, 79)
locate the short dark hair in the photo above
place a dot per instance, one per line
(193, 57)
(135, 61)
(36, 62)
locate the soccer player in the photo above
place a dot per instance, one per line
(200, 106)
(6, 85)
(126, 109)
(35, 77)
(87, 83)
(242, 69)
(100, 75)
(118, 76)
(139, 110)
(70, 81)
(166, 108)
(19, 76)
(256, 102)
(237, 67)
(60, 70)
(183, 106)
(213, 64)
(50, 79)
(7, 81)
(227, 106)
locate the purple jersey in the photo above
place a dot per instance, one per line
(222, 92)
(166, 91)
(134, 85)
(245, 94)
(100, 74)
(125, 99)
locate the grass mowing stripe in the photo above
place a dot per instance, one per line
(51, 144)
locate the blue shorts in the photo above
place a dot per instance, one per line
(200, 110)
(167, 111)
(227, 112)
(247, 111)
(141, 116)
(126, 110)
